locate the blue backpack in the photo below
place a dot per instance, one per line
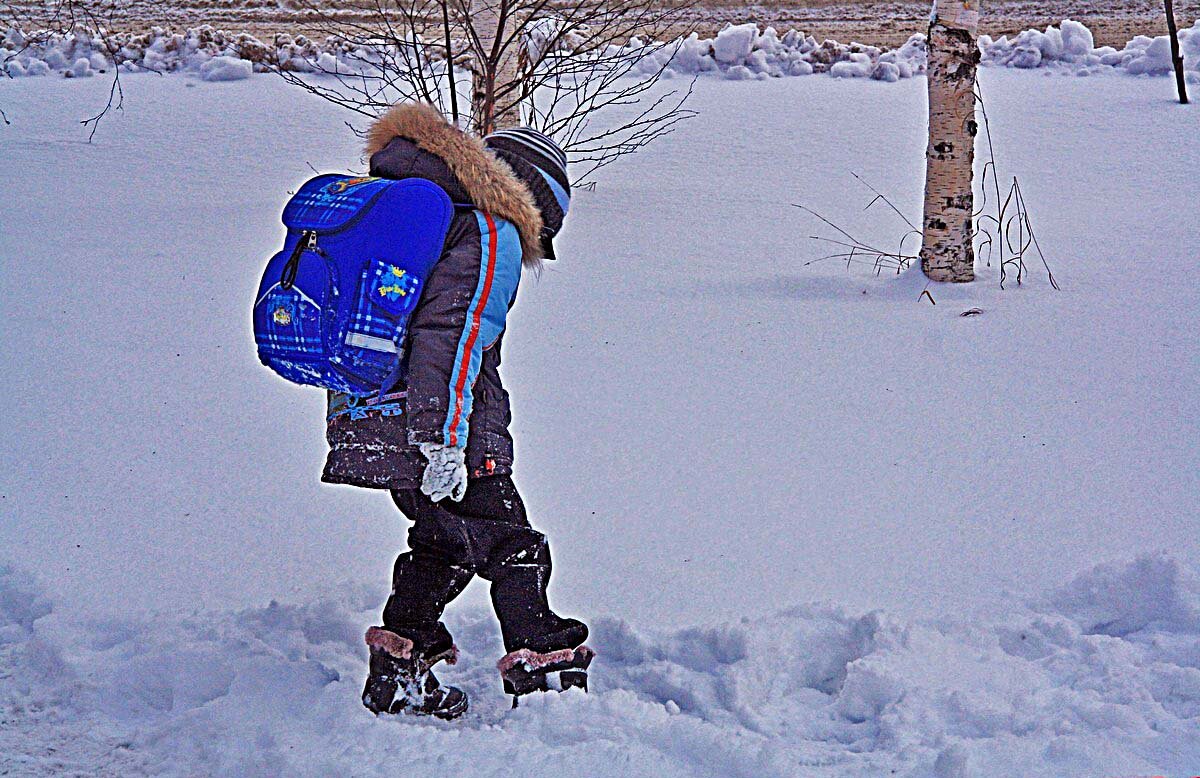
(334, 304)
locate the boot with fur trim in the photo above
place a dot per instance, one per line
(401, 679)
(524, 671)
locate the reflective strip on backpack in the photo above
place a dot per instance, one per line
(371, 342)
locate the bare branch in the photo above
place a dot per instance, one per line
(861, 252)
(1004, 227)
(588, 71)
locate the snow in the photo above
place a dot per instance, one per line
(819, 526)
(211, 53)
(1148, 55)
(1116, 600)
(81, 69)
(272, 690)
(545, 35)
(858, 66)
(226, 69)
(328, 63)
(734, 43)
(1070, 47)
(746, 52)
(740, 52)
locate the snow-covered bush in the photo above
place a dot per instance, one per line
(734, 44)
(1071, 42)
(546, 34)
(856, 66)
(1152, 56)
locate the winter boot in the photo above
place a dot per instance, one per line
(401, 678)
(525, 672)
(543, 664)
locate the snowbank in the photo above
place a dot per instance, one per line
(214, 54)
(739, 52)
(226, 69)
(1101, 678)
(1071, 47)
(743, 51)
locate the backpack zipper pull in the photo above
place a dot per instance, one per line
(307, 242)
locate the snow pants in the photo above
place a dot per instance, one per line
(486, 534)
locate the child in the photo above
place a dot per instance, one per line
(439, 440)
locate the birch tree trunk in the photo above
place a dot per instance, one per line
(947, 248)
(1176, 57)
(496, 68)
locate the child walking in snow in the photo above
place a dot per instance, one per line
(439, 440)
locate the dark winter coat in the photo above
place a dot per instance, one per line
(451, 393)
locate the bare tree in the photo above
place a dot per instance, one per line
(556, 65)
(1001, 228)
(1176, 57)
(497, 66)
(947, 249)
(37, 25)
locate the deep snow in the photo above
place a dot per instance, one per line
(1100, 678)
(711, 432)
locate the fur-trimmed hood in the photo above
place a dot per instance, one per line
(490, 183)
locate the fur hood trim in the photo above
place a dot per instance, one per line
(491, 183)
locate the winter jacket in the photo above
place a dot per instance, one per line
(451, 392)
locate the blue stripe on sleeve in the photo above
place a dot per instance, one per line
(506, 275)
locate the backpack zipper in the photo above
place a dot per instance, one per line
(308, 241)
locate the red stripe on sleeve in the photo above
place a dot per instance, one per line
(480, 304)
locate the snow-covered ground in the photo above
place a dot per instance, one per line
(1101, 678)
(820, 527)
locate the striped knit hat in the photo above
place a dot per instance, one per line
(542, 166)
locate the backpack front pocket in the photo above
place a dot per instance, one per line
(387, 294)
(292, 315)
(391, 290)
